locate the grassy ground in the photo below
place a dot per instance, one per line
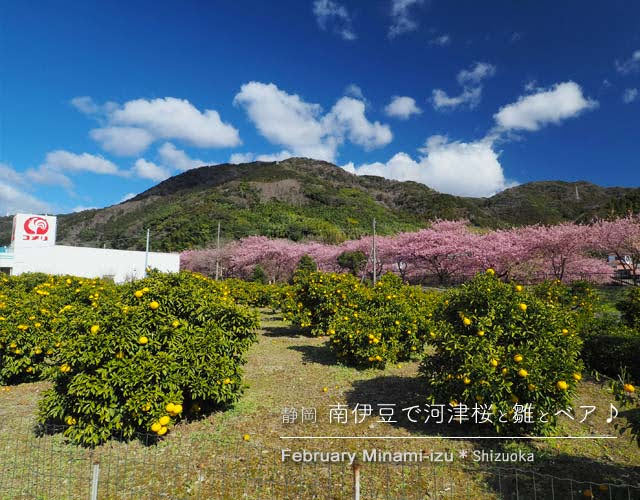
(208, 458)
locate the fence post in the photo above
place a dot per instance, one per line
(94, 480)
(356, 481)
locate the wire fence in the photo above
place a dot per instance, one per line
(37, 463)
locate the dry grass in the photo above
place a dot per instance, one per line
(209, 459)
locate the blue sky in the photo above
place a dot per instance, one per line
(102, 100)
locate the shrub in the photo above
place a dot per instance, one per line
(251, 293)
(391, 325)
(258, 275)
(611, 347)
(317, 297)
(307, 264)
(629, 307)
(166, 347)
(354, 261)
(497, 344)
(32, 309)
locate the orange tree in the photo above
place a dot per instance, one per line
(498, 345)
(32, 307)
(391, 325)
(166, 347)
(316, 297)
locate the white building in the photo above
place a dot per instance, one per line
(33, 249)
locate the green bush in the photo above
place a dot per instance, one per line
(307, 264)
(354, 261)
(166, 347)
(498, 344)
(629, 307)
(611, 346)
(32, 309)
(315, 298)
(391, 325)
(258, 275)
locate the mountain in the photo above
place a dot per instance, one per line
(300, 198)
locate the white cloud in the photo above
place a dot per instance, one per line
(286, 119)
(332, 13)
(149, 170)
(402, 107)
(476, 73)
(47, 175)
(464, 169)
(469, 97)
(123, 141)
(238, 158)
(82, 208)
(13, 200)
(58, 163)
(630, 65)
(130, 128)
(401, 19)
(85, 162)
(531, 112)
(85, 104)
(630, 95)
(127, 197)
(301, 128)
(471, 82)
(172, 118)
(12, 196)
(176, 158)
(353, 90)
(8, 174)
(88, 106)
(441, 41)
(347, 118)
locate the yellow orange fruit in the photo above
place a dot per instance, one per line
(143, 340)
(518, 358)
(170, 407)
(466, 321)
(577, 376)
(522, 372)
(493, 362)
(156, 427)
(153, 305)
(246, 437)
(628, 388)
(523, 306)
(95, 329)
(562, 385)
(162, 431)
(164, 420)
(138, 293)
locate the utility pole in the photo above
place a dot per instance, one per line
(218, 253)
(374, 252)
(146, 255)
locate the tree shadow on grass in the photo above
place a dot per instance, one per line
(577, 473)
(284, 331)
(320, 354)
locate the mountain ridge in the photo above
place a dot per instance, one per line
(301, 198)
